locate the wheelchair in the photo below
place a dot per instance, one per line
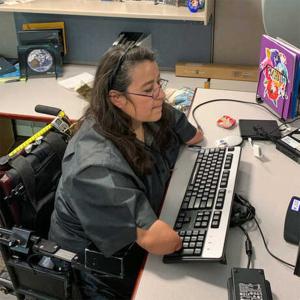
(37, 267)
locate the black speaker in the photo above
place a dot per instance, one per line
(292, 222)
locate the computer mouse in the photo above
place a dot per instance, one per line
(230, 141)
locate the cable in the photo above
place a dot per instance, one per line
(266, 135)
(248, 246)
(266, 246)
(231, 100)
(290, 122)
(251, 210)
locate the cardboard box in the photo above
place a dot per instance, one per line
(7, 137)
(217, 71)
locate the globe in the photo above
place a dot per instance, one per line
(40, 60)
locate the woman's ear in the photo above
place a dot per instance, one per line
(117, 98)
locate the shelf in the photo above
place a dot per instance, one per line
(132, 9)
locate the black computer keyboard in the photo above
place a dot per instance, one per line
(204, 215)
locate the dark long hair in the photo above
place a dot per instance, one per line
(114, 73)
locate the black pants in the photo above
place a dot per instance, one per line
(96, 287)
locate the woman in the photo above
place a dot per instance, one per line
(116, 168)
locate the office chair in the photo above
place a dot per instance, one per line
(281, 19)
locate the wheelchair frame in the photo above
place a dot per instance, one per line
(23, 251)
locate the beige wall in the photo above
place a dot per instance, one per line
(238, 28)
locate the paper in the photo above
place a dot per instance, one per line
(13, 2)
(77, 81)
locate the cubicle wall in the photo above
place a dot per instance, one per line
(238, 29)
(89, 37)
(8, 42)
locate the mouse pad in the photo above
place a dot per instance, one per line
(259, 129)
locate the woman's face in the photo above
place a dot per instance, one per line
(147, 106)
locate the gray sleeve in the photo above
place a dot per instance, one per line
(110, 208)
(183, 128)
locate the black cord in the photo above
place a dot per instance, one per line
(251, 210)
(290, 122)
(266, 246)
(232, 100)
(248, 246)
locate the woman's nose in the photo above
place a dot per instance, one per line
(162, 94)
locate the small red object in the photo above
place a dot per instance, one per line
(226, 122)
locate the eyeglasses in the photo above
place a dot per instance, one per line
(162, 84)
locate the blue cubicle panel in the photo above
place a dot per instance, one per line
(89, 37)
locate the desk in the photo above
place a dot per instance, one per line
(268, 184)
(19, 99)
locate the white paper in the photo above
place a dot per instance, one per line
(77, 81)
(13, 2)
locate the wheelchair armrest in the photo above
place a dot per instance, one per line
(24, 242)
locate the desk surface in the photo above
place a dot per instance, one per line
(18, 99)
(128, 9)
(268, 184)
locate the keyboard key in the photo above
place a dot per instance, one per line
(186, 220)
(199, 244)
(192, 245)
(187, 251)
(184, 205)
(182, 233)
(197, 251)
(186, 238)
(197, 224)
(204, 224)
(219, 204)
(200, 238)
(215, 224)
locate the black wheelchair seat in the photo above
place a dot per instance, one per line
(38, 268)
